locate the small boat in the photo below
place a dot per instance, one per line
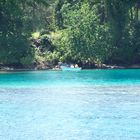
(65, 68)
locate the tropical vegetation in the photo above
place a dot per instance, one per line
(44, 32)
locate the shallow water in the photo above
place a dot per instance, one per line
(57, 105)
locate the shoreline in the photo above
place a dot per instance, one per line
(53, 69)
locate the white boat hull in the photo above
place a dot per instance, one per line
(70, 69)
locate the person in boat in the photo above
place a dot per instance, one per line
(76, 66)
(72, 66)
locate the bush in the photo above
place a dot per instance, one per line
(84, 38)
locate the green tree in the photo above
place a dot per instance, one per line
(17, 20)
(84, 39)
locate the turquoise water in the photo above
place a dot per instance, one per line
(57, 105)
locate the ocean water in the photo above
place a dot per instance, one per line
(57, 105)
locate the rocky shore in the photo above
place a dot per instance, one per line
(55, 67)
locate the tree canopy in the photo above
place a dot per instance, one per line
(36, 32)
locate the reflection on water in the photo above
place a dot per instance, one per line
(70, 106)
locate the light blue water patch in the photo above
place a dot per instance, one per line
(85, 105)
(67, 78)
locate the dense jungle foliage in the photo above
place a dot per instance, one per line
(45, 32)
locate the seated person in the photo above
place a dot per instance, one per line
(72, 66)
(76, 66)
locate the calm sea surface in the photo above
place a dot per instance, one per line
(57, 105)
